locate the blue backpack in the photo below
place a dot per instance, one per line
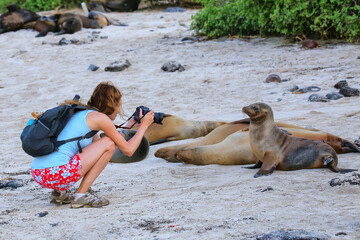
(40, 137)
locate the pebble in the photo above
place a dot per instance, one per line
(317, 98)
(172, 66)
(349, 92)
(273, 78)
(93, 68)
(340, 84)
(118, 66)
(334, 96)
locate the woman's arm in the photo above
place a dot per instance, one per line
(100, 121)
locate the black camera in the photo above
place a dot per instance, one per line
(158, 116)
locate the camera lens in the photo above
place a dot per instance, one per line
(158, 117)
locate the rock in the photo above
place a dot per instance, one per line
(12, 184)
(293, 88)
(118, 66)
(317, 98)
(349, 92)
(93, 68)
(175, 9)
(64, 41)
(309, 44)
(354, 179)
(273, 78)
(172, 66)
(307, 89)
(334, 96)
(340, 84)
(43, 214)
(293, 235)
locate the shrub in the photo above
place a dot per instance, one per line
(316, 18)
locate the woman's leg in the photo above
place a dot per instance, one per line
(94, 159)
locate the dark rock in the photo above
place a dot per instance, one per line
(12, 184)
(341, 234)
(190, 39)
(317, 98)
(307, 89)
(293, 235)
(118, 66)
(334, 96)
(358, 57)
(172, 66)
(335, 182)
(349, 92)
(43, 214)
(309, 44)
(93, 68)
(267, 189)
(175, 9)
(64, 41)
(273, 78)
(293, 88)
(354, 179)
(340, 84)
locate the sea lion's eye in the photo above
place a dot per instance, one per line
(255, 108)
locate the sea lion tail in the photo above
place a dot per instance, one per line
(328, 162)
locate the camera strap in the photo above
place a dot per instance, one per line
(120, 126)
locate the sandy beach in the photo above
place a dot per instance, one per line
(155, 199)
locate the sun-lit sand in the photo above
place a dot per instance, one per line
(154, 199)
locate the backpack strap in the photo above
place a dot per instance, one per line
(88, 135)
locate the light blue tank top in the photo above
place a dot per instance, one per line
(74, 128)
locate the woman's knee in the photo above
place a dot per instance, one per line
(110, 145)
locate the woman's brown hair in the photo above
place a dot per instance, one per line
(106, 98)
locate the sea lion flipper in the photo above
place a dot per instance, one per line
(351, 147)
(62, 31)
(159, 141)
(258, 164)
(262, 172)
(42, 33)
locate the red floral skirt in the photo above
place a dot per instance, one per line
(60, 177)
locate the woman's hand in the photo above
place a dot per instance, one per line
(148, 119)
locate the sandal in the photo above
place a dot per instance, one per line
(89, 200)
(61, 197)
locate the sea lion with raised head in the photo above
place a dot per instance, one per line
(275, 149)
(16, 18)
(175, 128)
(214, 148)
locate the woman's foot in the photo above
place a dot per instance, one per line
(61, 197)
(89, 200)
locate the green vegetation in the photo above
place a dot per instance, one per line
(323, 19)
(41, 5)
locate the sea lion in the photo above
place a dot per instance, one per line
(275, 149)
(175, 128)
(103, 20)
(44, 25)
(215, 136)
(198, 154)
(15, 18)
(116, 6)
(68, 23)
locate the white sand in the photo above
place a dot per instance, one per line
(154, 199)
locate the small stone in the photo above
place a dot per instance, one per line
(172, 66)
(335, 182)
(12, 184)
(358, 57)
(64, 41)
(317, 98)
(309, 44)
(273, 78)
(118, 66)
(334, 96)
(93, 68)
(307, 89)
(43, 214)
(175, 9)
(340, 84)
(349, 92)
(293, 88)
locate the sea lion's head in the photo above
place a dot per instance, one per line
(258, 112)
